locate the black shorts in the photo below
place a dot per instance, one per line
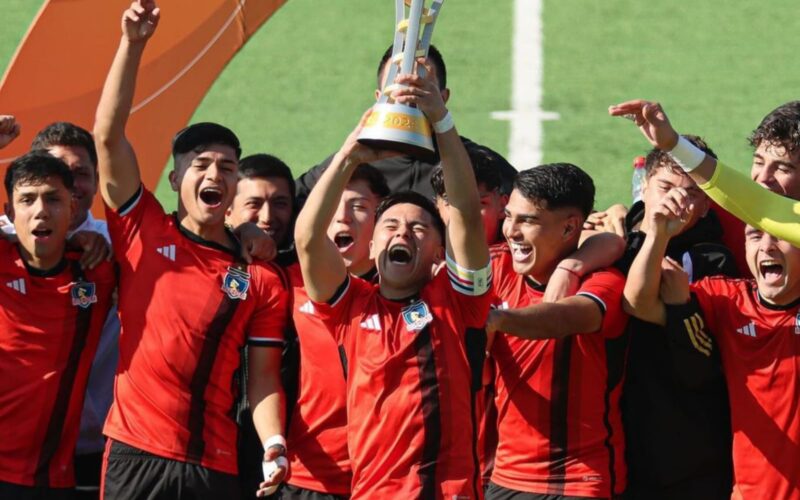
(495, 492)
(87, 476)
(132, 474)
(18, 492)
(289, 492)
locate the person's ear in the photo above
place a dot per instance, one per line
(173, 181)
(8, 208)
(446, 95)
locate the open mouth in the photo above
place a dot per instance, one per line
(42, 233)
(211, 196)
(770, 270)
(520, 252)
(400, 254)
(343, 240)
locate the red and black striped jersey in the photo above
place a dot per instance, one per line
(186, 308)
(50, 324)
(759, 344)
(317, 439)
(559, 421)
(410, 385)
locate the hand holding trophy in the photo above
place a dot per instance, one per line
(392, 125)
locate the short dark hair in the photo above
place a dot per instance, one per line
(66, 134)
(557, 185)
(263, 166)
(35, 167)
(200, 135)
(374, 179)
(781, 127)
(657, 158)
(412, 198)
(483, 166)
(433, 55)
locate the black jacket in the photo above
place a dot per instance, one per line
(675, 405)
(404, 173)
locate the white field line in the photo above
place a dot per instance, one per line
(526, 115)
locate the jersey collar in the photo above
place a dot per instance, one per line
(235, 251)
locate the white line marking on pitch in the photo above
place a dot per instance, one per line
(526, 115)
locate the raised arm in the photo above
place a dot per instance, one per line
(642, 288)
(733, 191)
(9, 130)
(754, 204)
(116, 160)
(323, 269)
(466, 241)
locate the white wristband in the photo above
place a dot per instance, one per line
(445, 124)
(687, 155)
(277, 439)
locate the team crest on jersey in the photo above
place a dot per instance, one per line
(417, 316)
(797, 324)
(83, 294)
(235, 283)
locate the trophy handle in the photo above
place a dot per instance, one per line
(405, 31)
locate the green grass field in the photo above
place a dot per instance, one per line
(301, 83)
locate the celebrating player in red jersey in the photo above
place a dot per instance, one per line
(317, 439)
(187, 304)
(413, 344)
(45, 354)
(559, 364)
(756, 324)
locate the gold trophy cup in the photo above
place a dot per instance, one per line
(400, 127)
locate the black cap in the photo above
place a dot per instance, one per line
(204, 134)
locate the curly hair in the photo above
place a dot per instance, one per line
(781, 127)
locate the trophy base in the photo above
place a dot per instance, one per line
(399, 128)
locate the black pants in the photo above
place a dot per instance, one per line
(9, 491)
(289, 492)
(87, 476)
(133, 474)
(495, 492)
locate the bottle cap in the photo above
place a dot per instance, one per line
(638, 162)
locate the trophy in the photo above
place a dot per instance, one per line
(401, 127)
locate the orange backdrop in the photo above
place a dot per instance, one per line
(59, 68)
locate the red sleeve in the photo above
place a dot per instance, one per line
(471, 309)
(605, 289)
(139, 213)
(270, 318)
(337, 312)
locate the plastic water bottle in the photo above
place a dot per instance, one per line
(637, 182)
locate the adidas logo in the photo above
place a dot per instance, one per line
(372, 323)
(18, 285)
(167, 251)
(307, 308)
(749, 330)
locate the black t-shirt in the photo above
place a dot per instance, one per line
(675, 404)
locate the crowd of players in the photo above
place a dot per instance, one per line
(387, 328)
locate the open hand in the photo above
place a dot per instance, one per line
(277, 454)
(652, 122)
